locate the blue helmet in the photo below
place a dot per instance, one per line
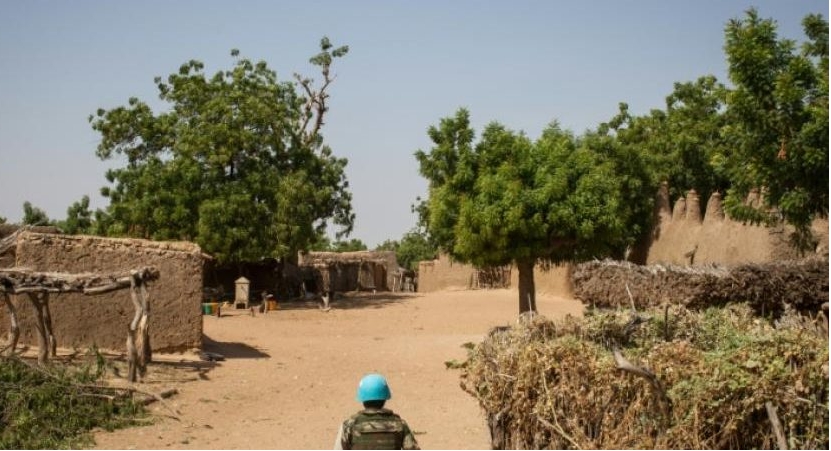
(373, 387)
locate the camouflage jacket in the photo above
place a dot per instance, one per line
(376, 429)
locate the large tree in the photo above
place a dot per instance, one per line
(508, 199)
(778, 123)
(237, 163)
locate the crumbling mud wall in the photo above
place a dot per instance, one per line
(683, 237)
(548, 279)
(81, 320)
(7, 256)
(445, 274)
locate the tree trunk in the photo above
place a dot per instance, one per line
(527, 291)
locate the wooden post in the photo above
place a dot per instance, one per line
(47, 323)
(39, 285)
(14, 328)
(132, 354)
(145, 355)
(43, 341)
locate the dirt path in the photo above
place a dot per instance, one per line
(290, 376)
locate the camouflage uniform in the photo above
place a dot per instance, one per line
(376, 429)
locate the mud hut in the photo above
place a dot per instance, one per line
(351, 271)
(83, 321)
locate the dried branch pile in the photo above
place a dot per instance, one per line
(767, 287)
(694, 380)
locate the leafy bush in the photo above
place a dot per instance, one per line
(56, 407)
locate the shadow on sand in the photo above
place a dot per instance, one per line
(231, 350)
(350, 301)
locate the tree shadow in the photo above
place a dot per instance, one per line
(199, 368)
(349, 301)
(231, 350)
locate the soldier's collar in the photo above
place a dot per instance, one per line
(372, 410)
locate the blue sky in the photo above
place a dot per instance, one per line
(522, 63)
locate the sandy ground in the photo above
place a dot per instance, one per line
(290, 376)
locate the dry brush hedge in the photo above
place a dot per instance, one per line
(557, 385)
(767, 287)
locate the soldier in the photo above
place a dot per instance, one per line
(375, 427)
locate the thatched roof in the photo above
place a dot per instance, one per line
(329, 258)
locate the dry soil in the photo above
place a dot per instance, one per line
(289, 377)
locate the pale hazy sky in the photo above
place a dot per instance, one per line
(523, 63)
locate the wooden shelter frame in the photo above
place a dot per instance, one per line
(38, 286)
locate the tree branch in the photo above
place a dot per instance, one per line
(658, 388)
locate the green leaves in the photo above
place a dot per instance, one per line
(778, 127)
(33, 215)
(57, 407)
(78, 218)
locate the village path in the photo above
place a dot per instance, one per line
(290, 376)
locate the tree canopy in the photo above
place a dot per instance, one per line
(510, 199)
(777, 118)
(237, 163)
(79, 218)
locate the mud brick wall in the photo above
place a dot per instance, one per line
(444, 274)
(682, 235)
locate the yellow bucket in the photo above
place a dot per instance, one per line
(272, 305)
